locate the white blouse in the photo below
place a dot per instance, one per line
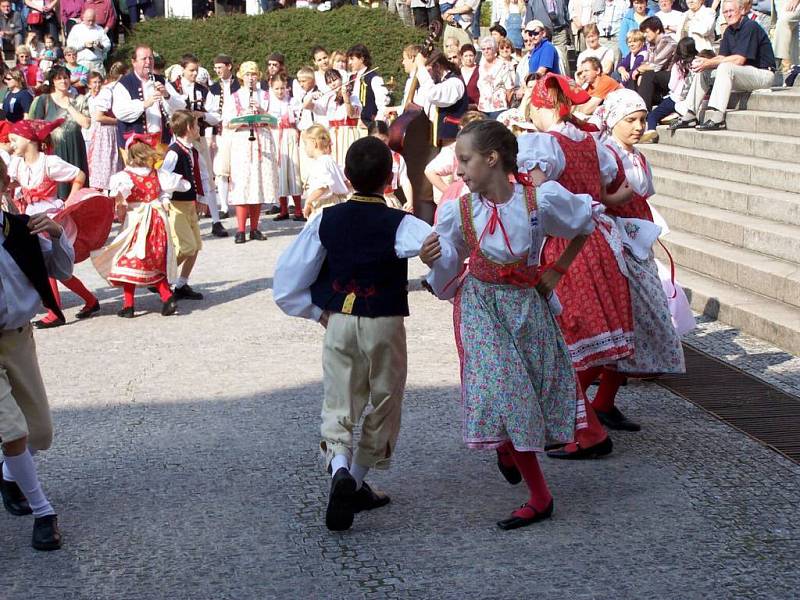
(30, 176)
(230, 109)
(121, 183)
(299, 265)
(543, 150)
(560, 213)
(637, 172)
(325, 173)
(280, 108)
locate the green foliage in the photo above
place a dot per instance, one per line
(292, 32)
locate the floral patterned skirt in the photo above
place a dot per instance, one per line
(657, 344)
(517, 380)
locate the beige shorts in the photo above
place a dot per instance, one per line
(185, 227)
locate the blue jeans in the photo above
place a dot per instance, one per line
(667, 107)
(445, 6)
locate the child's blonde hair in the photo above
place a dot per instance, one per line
(634, 35)
(320, 135)
(305, 73)
(142, 155)
(337, 55)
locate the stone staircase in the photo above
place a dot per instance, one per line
(732, 201)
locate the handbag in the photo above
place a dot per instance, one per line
(34, 18)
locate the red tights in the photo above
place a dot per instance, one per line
(128, 290)
(595, 433)
(243, 211)
(74, 285)
(284, 201)
(531, 472)
(610, 381)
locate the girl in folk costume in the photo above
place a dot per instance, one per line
(400, 180)
(327, 183)
(254, 178)
(101, 146)
(86, 216)
(142, 255)
(286, 139)
(519, 390)
(657, 343)
(342, 109)
(596, 321)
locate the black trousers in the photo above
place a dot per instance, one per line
(653, 85)
(423, 17)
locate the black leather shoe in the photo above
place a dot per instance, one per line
(681, 124)
(185, 292)
(217, 230)
(169, 307)
(511, 473)
(282, 217)
(13, 498)
(299, 218)
(598, 450)
(239, 238)
(339, 515)
(614, 419)
(515, 522)
(87, 312)
(712, 126)
(368, 499)
(152, 288)
(274, 210)
(42, 324)
(126, 313)
(224, 214)
(257, 236)
(46, 535)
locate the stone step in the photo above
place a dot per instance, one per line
(753, 200)
(770, 320)
(784, 100)
(730, 167)
(742, 231)
(760, 145)
(764, 275)
(761, 121)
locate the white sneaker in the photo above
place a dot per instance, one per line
(324, 7)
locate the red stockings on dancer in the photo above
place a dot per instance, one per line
(588, 376)
(505, 454)
(298, 206)
(128, 291)
(610, 381)
(164, 290)
(241, 217)
(255, 214)
(528, 466)
(284, 202)
(74, 285)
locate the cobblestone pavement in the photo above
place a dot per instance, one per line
(185, 467)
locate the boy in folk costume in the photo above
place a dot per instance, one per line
(348, 270)
(26, 261)
(183, 159)
(218, 94)
(303, 98)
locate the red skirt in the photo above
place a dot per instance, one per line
(153, 267)
(93, 215)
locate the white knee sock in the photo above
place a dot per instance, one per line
(181, 281)
(211, 198)
(23, 470)
(338, 461)
(358, 472)
(6, 473)
(222, 192)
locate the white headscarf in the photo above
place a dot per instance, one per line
(619, 104)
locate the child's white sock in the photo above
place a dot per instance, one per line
(181, 281)
(23, 470)
(339, 461)
(6, 473)
(358, 472)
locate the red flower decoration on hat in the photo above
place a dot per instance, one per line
(541, 98)
(151, 139)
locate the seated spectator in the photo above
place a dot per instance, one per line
(19, 98)
(78, 74)
(698, 23)
(788, 16)
(506, 50)
(104, 15)
(53, 48)
(596, 83)
(496, 80)
(635, 16)
(745, 63)
(671, 19)
(544, 58)
(469, 72)
(553, 16)
(581, 14)
(628, 67)
(498, 32)
(34, 44)
(654, 71)
(460, 13)
(593, 49)
(29, 68)
(91, 41)
(10, 29)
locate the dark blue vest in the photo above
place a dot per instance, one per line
(184, 168)
(367, 97)
(361, 274)
(448, 117)
(131, 83)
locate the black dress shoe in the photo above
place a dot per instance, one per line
(282, 217)
(602, 449)
(217, 230)
(126, 313)
(224, 214)
(614, 419)
(42, 324)
(152, 288)
(88, 311)
(339, 515)
(185, 292)
(13, 498)
(712, 126)
(169, 307)
(240, 238)
(511, 473)
(274, 210)
(299, 218)
(46, 535)
(368, 499)
(515, 522)
(257, 235)
(681, 124)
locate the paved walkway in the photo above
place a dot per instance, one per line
(184, 467)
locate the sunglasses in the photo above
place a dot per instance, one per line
(536, 32)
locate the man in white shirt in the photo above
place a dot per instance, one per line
(91, 42)
(218, 93)
(671, 19)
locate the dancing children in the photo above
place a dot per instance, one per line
(400, 180)
(326, 183)
(142, 255)
(519, 390)
(287, 145)
(37, 175)
(657, 343)
(254, 180)
(596, 321)
(27, 259)
(183, 159)
(348, 270)
(342, 108)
